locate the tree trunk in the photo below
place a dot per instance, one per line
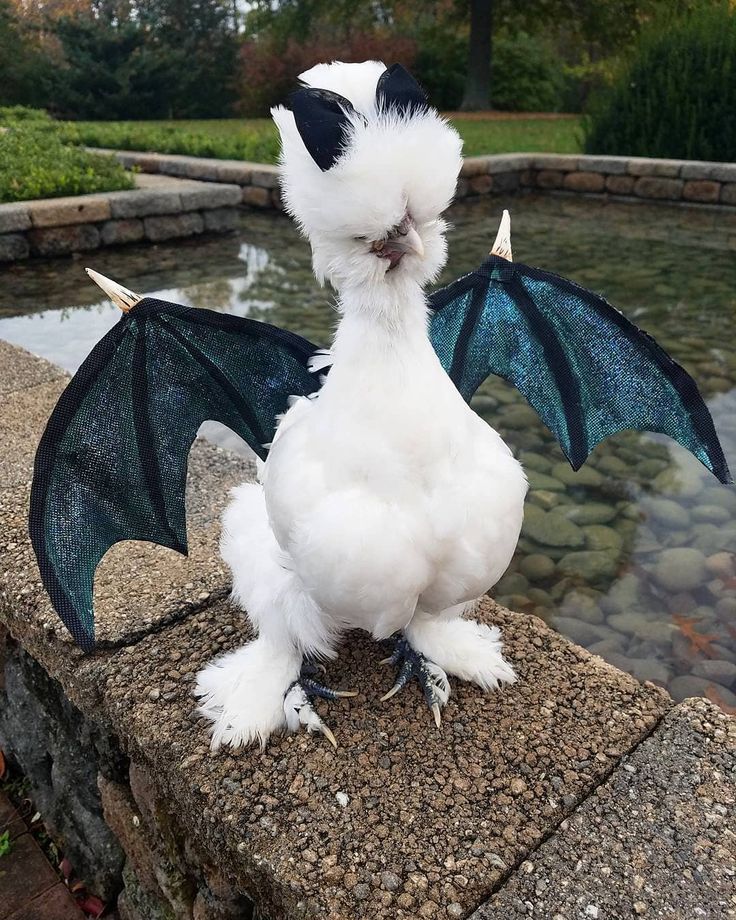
(477, 96)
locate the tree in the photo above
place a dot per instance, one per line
(477, 93)
(24, 69)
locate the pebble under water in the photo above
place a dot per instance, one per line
(634, 556)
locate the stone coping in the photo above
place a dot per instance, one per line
(401, 821)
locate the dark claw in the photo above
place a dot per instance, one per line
(431, 678)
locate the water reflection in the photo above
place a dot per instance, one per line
(633, 556)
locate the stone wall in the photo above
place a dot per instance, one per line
(159, 209)
(182, 196)
(618, 177)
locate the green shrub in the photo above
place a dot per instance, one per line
(254, 141)
(13, 114)
(676, 95)
(526, 75)
(38, 164)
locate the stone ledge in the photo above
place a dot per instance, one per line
(656, 840)
(415, 837)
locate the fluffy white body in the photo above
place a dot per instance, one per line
(385, 504)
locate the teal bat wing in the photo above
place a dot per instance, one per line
(112, 463)
(585, 369)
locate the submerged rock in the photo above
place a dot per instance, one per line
(537, 567)
(591, 513)
(590, 565)
(667, 512)
(680, 569)
(600, 537)
(688, 685)
(551, 528)
(722, 672)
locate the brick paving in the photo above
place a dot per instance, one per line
(30, 888)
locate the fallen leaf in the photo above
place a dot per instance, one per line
(3, 766)
(699, 642)
(92, 906)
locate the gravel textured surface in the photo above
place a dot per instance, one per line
(400, 821)
(658, 840)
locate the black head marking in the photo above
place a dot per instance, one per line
(399, 90)
(323, 119)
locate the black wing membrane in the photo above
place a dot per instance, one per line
(112, 463)
(585, 369)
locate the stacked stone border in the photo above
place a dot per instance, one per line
(209, 193)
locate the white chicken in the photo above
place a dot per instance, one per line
(386, 504)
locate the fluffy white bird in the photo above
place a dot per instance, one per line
(385, 504)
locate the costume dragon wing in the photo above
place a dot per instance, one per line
(112, 462)
(585, 369)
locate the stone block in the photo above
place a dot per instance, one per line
(61, 212)
(256, 197)
(145, 162)
(144, 202)
(14, 216)
(655, 187)
(505, 182)
(199, 195)
(527, 178)
(201, 168)
(549, 178)
(265, 177)
(508, 163)
(13, 247)
(154, 869)
(584, 182)
(474, 166)
(62, 241)
(700, 169)
(169, 227)
(620, 185)
(234, 173)
(650, 166)
(173, 165)
(554, 161)
(128, 230)
(613, 166)
(728, 193)
(481, 185)
(220, 220)
(705, 190)
(656, 840)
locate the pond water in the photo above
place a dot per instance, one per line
(634, 556)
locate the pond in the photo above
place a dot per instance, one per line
(633, 557)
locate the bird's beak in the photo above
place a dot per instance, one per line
(119, 295)
(402, 240)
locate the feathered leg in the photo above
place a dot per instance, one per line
(435, 645)
(264, 686)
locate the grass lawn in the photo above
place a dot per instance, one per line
(255, 139)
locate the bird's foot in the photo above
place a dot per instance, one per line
(298, 699)
(430, 676)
